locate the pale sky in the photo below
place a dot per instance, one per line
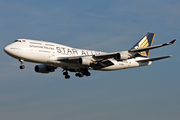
(144, 93)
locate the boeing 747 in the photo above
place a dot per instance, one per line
(52, 55)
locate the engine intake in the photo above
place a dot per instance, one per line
(121, 56)
(44, 69)
(84, 61)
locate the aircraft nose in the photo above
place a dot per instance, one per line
(7, 49)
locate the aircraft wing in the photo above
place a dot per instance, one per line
(73, 59)
(102, 60)
(153, 47)
(152, 59)
(96, 61)
(96, 57)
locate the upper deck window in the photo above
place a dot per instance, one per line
(17, 41)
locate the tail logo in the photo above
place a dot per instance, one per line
(142, 44)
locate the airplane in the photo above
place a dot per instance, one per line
(52, 55)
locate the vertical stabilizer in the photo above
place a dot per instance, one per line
(145, 41)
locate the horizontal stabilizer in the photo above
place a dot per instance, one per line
(152, 59)
(152, 47)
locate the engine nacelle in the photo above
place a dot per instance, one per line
(84, 61)
(122, 56)
(44, 69)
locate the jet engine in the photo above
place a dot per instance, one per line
(44, 69)
(121, 56)
(84, 61)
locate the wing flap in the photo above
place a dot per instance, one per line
(102, 64)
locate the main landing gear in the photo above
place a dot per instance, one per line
(80, 74)
(21, 66)
(84, 73)
(66, 74)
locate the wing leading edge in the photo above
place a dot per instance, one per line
(153, 47)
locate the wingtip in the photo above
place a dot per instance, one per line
(173, 41)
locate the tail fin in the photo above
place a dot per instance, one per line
(145, 41)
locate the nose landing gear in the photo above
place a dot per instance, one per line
(21, 66)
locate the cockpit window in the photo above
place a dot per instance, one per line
(17, 41)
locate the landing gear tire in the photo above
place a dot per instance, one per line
(65, 73)
(79, 75)
(22, 67)
(88, 74)
(67, 77)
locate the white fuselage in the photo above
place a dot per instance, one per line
(47, 53)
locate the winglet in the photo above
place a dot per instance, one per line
(173, 41)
